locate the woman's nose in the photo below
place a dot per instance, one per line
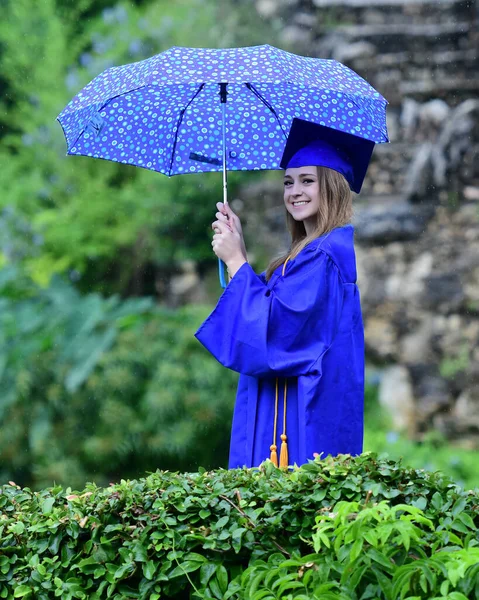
(296, 189)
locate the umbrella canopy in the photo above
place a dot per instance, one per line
(175, 111)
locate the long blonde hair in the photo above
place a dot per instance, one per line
(335, 210)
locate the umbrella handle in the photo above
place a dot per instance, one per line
(221, 272)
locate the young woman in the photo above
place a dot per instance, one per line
(295, 332)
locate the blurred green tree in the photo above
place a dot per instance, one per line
(112, 224)
(96, 389)
(93, 387)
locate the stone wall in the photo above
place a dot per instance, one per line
(417, 218)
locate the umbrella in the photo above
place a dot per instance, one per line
(191, 110)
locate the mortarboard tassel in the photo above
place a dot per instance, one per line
(274, 454)
(283, 458)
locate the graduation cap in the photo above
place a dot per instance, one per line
(311, 144)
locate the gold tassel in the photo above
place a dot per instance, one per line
(274, 455)
(283, 457)
(273, 448)
(284, 446)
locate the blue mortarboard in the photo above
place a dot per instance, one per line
(312, 144)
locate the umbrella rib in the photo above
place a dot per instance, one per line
(267, 104)
(180, 118)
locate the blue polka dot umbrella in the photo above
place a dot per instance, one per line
(192, 110)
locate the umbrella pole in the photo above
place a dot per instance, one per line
(223, 93)
(225, 174)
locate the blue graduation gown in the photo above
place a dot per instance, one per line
(306, 327)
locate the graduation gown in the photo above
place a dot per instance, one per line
(304, 327)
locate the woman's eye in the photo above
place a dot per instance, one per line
(287, 183)
(308, 180)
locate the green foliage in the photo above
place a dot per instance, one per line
(334, 529)
(113, 224)
(95, 389)
(433, 452)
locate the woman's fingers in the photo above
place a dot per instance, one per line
(216, 242)
(233, 217)
(221, 217)
(225, 209)
(223, 212)
(229, 211)
(220, 227)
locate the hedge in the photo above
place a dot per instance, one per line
(342, 528)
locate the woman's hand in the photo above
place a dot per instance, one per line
(227, 243)
(226, 215)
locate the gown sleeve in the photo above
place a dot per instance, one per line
(282, 331)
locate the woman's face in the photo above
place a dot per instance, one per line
(301, 194)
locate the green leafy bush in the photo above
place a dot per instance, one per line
(334, 529)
